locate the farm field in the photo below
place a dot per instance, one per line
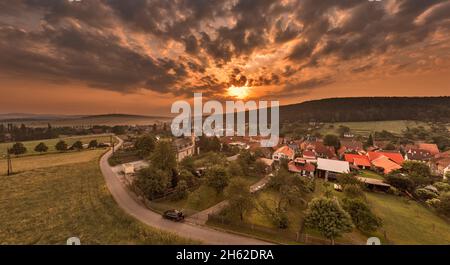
(30, 145)
(368, 127)
(48, 205)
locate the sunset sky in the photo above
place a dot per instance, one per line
(120, 56)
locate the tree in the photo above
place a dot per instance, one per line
(239, 197)
(361, 215)
(217, 178)
(400, 181)
(332, 140)
(78, 145)
(164, 157)
(425, 194)
(41, 148)
(181, 190)
(342, 130)
(18, 149)
(61, 146)
(369, 141)
(327, 216)
(235, 169)
(418, 172)
(188, 177)
(93, 144)
(443, 206)
(144, 145)
(152, 181)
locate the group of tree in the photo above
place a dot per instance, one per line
(161, 175)
(413, 174)
(333, 218)
(19, 148)
(145, 145)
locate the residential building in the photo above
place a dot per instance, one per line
(328, 168)
(301, 167)
(184, 147)
(284, 152)
(360, 161)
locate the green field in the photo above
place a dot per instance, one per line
(48, 205)
(368, 127)
(30, 145)
(370, 174)
(408, 222)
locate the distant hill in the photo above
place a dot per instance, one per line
(369, 109)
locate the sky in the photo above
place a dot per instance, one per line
(138, 57)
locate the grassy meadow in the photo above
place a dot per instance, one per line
(57, 196)
(30, 145)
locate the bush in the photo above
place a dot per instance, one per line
(61, 146)
(442, 186)
(41, 148)
(346, 179)
(93, 144)
(361, 215)
(401, 182)
(78, 145)
(443, 206)
(425, 194)
(353, 191)
(17, 149)
(152, 182)
(393, 191)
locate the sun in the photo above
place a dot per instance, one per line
(239, 92)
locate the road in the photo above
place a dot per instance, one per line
(201, 233)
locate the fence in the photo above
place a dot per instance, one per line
(275, 234)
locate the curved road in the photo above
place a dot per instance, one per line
(129, 205)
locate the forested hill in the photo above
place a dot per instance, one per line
(369, 109)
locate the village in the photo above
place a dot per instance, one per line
(206, 179)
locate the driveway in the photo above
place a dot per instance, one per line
(129, 205)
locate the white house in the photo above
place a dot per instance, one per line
(328, 168)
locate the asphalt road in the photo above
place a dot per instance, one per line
(201, 233)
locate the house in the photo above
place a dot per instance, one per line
(352, 146)
(360, 161)
(417, 154)
(284, 152)
(320, 149)
(440, 166)
(385, 163)
(328, 168)
(302, 167)
(394, 156)
(184, 147)
(432, 148)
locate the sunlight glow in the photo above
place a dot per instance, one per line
(238, 92)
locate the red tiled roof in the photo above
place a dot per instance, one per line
(396, 157)
(309, 153)
(386, 164)
(286, 150)
(432, 148)
(308, 167)
(358, 160)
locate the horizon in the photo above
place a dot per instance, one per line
(99, 57)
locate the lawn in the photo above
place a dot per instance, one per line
(197, 200)
(48, 205)
(408, 222)
(368, 127)
(30, 145)
(370, 174)
(20, 164)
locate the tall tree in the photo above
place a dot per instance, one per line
(217, 178)
(164, 157)
(327, 216)
(61, 146)
(145, 145)
(239, 197)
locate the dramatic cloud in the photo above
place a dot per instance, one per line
(277, 48)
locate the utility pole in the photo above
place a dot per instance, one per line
(112, 143)
(8, 159)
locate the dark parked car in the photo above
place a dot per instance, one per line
(174, 215)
